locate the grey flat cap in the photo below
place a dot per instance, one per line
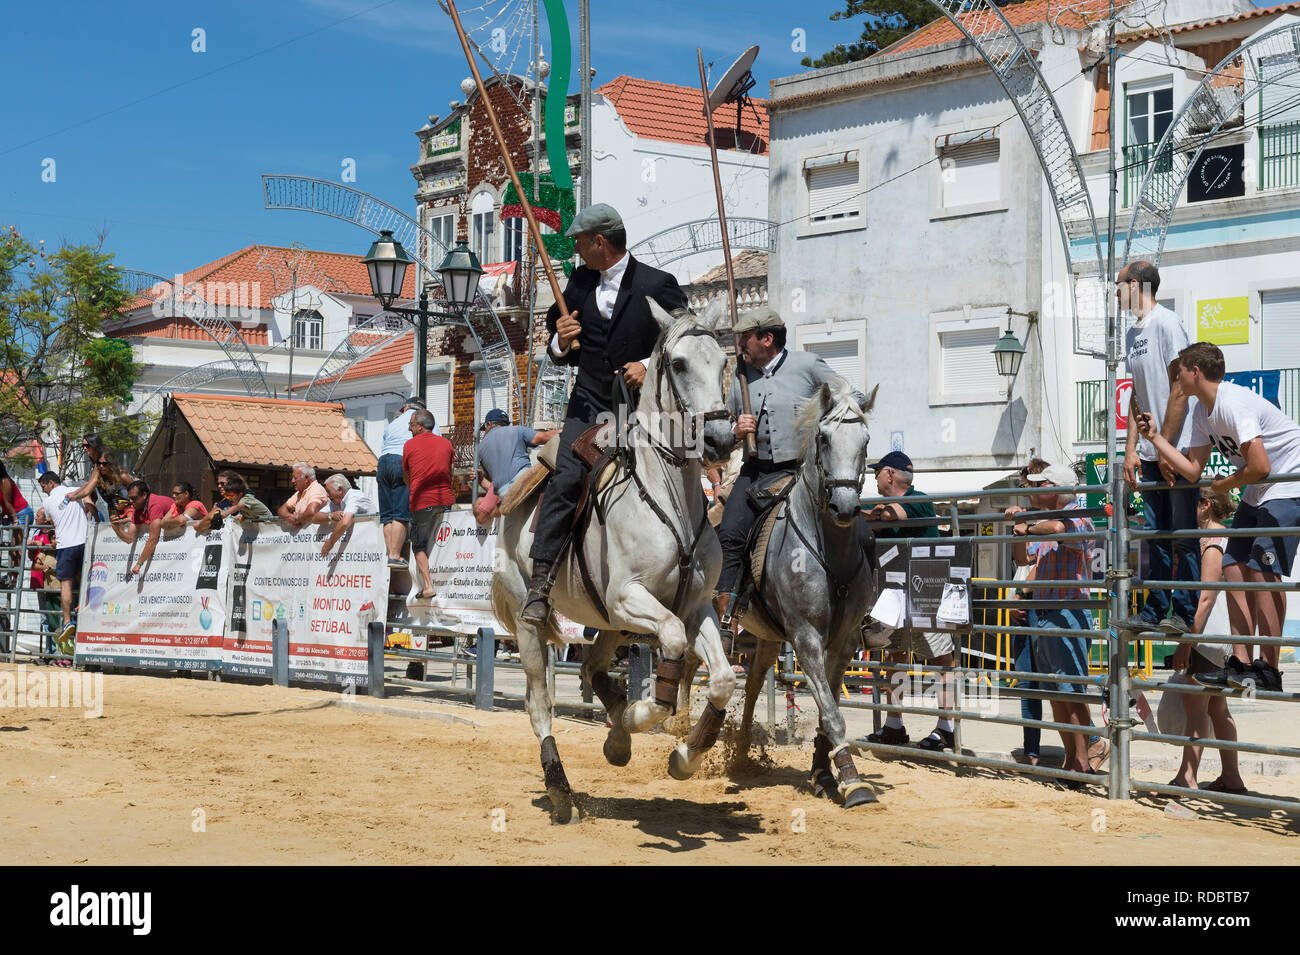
(600, 219)
(758, 318)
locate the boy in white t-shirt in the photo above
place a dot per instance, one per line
(1260, 440)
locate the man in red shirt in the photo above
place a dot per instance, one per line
(147, 510)
(426, 465)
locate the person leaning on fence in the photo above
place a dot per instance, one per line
(63, 505)
(147, 511)
(187, 509)
(1151, 344)
(394, 498)
(346, 502)
(237, 501)
(1256, 437)
(14, 508)
(426, 463)
(308, 498)
(894, 479)
(1030, 709)
(1201, 709)
(503, 450)
(1066, 560)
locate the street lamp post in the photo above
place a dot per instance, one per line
(387, 262)
(1008, 352)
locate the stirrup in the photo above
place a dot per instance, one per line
(536, 598)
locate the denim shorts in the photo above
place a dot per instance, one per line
(394, 496)
(68, 566)
(1271, 555)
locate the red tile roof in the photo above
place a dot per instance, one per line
(389, 360)
(675, 114)
(185, 330)
(942, 30)
(257, 286)
(1217, 21)
(274, 432)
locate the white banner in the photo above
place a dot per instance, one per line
(171, 616)
(460, 566)
(326, 602)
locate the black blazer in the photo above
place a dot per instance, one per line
(629, 335)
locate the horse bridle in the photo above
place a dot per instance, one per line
(662, 373)
(822, 493)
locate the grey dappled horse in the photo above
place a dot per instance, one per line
(817, 584)
(654, 558)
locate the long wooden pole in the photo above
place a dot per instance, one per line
(510, 166)
(745, 405)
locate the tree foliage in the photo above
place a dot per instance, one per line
(887, 21)
(59, 377)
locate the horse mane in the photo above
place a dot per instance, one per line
(810, 415)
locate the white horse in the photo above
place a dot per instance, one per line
(653, 558)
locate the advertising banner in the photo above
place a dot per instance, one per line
(171, 616)
(1223, 321)
(461, 558)
(326, 602)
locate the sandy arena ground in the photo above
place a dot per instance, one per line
(288, 776)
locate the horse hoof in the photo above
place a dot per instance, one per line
(824, 784)
(680, 763)
(641, 716)
(561, 806)
(860, 795)
(618, 748)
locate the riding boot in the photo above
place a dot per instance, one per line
(538, 602)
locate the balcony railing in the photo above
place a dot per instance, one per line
(1137, 159)
(1279, 155)
(1093, 405)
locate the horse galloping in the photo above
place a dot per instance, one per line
(652, 559)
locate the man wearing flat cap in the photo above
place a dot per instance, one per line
(780, 381)
(607, 318)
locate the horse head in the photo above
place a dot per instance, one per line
(834, 458)
(684, 381)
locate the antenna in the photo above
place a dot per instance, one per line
(734, 86)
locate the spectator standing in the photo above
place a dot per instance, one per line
(503, 450)
(1030, 709)
(394, 498)
(308, 498)
(1258, 439)
(1151, 346)
(45, 585)
(147, 511)
(346, 502)
(894, 475)
(426, 465)
(1203, 710)
(1064, 561)
(13, 506)
(62, 505)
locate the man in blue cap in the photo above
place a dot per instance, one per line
(503, 450)
(606, 315)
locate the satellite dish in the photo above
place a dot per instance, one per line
(736, 83)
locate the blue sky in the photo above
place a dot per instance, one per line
(163, 146)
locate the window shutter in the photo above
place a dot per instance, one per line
(971, 175)
(440, 400)
(1278, 103)
(833, 192)
(1281, 329)
(843, 358)
(968, 367)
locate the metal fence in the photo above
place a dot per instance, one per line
(28, 614)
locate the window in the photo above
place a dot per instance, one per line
(971, 174)
(1279, 123)
(1280, 328)
(482, 226)
(843, 347)
(307, 330)
(962, 368)
(444, 228)
(514, 237)
(439, 397)
(1149, 109)
(834, 197)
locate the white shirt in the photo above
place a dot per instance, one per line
(611, 280)
(354, 502)
(1240, 415)
(1150, 345)
(68, 515)
(770, 368)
